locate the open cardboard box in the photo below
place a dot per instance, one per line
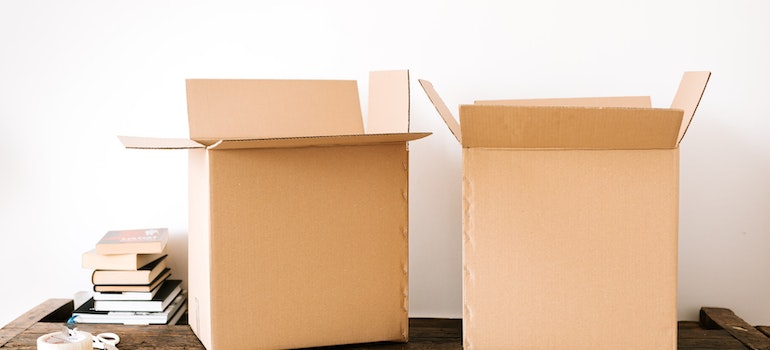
(570, 220)
(298, 218)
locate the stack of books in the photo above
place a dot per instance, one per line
(131, 281)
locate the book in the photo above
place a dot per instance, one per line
(86, 314)
(126, 295)
(134, 287)
(167, 292)
(130, 261)
(142, 241)
(145, 275)
(179, 313)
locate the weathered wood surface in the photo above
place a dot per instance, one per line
(131, 337)
(48, 309)
(715, 317)
(693, 337)
(719, 329)
(424, 334)
(48, 317)
(764, 329)
(427, 334)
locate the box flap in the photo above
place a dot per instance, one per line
(233, 108)
(620, 101)
(158, 143)
(442, 109)
(388, 102)
(688, 97)
(319, 141)
(569, 127)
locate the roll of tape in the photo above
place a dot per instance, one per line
(61, 341)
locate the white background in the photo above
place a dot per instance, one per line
(74, 74)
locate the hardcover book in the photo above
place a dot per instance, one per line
(126, 295)
(131, 261)
(134, 287)
(143, 241)
(167, 292)
(145, 275)
(86, 314)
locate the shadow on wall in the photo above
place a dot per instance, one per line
(724, 228)
(435, 205)
(177, 255)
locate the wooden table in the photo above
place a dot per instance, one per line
(48, 317)
(718, 329)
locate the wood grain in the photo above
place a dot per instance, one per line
(719, 329)
(693, 337)
(131, 337)
(713, 317)
(51, 308)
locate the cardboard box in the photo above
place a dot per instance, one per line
(298, 219)
(570, 220)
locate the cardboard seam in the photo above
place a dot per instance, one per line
(218, 146)
(214, 141)
(468, 242)
(408, 102)
(405, 257)
(700, 79)
(468, 245)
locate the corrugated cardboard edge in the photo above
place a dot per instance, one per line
(388, 110)
(318, 141)
(688, 97)
(615, 101)
(442, 109)
(199, 258)
(133, 142)
(405, 257)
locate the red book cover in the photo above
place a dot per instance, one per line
(141, 241)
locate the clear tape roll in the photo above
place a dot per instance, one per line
(62, 341)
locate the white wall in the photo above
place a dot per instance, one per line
(73, 74)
